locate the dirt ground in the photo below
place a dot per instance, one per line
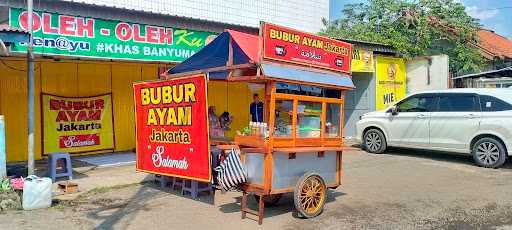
(403, 189)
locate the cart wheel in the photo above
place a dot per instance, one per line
(309, 195)
(269, 200)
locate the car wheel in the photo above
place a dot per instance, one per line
(374, 141)
(489, 152)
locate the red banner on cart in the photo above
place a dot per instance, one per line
(289, 45)
(172, 128)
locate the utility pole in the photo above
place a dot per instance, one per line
(30, 90)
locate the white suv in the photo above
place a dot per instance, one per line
(471, 121)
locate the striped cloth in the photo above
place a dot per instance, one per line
(231, 172)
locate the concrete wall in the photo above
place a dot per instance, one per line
(427, 73)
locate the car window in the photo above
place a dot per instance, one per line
(492, 104)
(416, 104)
(458, 103)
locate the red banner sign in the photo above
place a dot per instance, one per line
(78, 140)
(289, 45)
(77, 125)
(172, 128)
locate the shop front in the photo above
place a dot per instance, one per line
(84, 72)
(379, 78)
(362, 99)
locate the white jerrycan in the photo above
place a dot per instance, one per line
(37, 192)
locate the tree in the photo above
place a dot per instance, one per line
(414, 28)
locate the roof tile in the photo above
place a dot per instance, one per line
(495, 44)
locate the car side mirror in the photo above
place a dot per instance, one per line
(393, 110)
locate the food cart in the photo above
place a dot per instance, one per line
(298, 146)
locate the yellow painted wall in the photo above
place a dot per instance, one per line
(88, 78)
(235, 98)
(68, 78)
(124, 122)
(13, 105)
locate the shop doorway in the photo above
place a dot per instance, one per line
(359, 101)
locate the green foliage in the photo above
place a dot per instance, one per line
(413, 28)
(5, 185)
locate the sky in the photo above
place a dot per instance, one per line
(495, 15)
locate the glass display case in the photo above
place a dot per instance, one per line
(301, 116)
(284, 118)
(307, 116)
(332, 120)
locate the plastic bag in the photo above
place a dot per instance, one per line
(37, 192)
(17, 183)
(231, 171)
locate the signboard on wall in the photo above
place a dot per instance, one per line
(293, 46)
(362, 61)
(77, 125)
(391, 81)
(67, 35)
(172, 128)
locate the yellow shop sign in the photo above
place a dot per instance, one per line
(362, 61)
(391, 81)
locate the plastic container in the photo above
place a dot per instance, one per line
(265, 130)
(251, 126)
(257, 132)
(3, 169)
(37, 192)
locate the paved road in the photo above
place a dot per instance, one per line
(404, 189)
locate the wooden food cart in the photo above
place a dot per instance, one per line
(298, 145)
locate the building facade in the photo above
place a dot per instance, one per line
(379, 76)
(428, 73)
(497, 53)
(89, 53)
(298, 14)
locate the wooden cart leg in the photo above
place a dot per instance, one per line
(244, 204)
(261, 208)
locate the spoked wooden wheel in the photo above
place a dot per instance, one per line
(309, 195)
